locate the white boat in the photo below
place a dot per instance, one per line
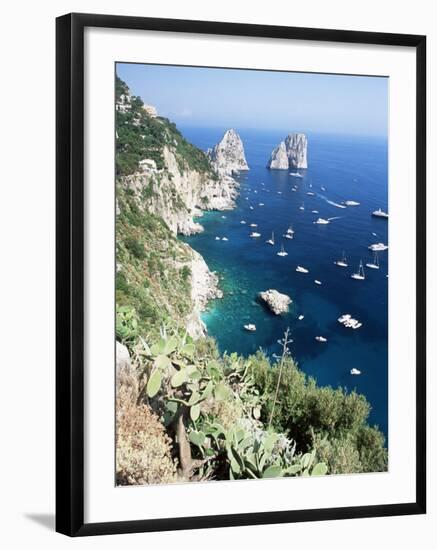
(310, 193)
(253, 225)
(301, 269)
(380, 214)
(317, 282)
(378, 247)
(254, 234)
(290, 230)
(217, 238)
(225, 239)
(282, 251)
(224, 217)
(288, 236)
(250, 327)
(302, 207)
(300, 317)
(342, 262)
(296, 174)
(279, 192)
(375, 263)
(349, 322)
(351, 203)
(323, 188)
(251, 207)
(359, 275)
(310, 185)
(243, 222)
(255, 191)
(293, 189)
(261, 204)
(314, 211)
(272, 240)
(321, 221)
(355, 372)
(321, 339)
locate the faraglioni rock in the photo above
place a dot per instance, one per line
(277, 302)
(227, 157)
(290, 153)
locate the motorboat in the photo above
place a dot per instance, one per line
(301, 269)
(380, 214)
(351, 203)
(355, 372)
(254, 234)
(378, 247)
(321, 339)
(321, 221)
(250, 327)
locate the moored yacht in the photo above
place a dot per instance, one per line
(378, 247)
(359, 275)
(342, 262)
(375, 263)
(380, 214)
(301, 269)
(250, 327)
(272, 239)
(282, 251)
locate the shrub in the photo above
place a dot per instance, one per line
(143, 450)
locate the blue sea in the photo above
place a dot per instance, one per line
(348, 168)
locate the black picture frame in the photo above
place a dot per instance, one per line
(70, 273)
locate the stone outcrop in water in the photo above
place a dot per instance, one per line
(277, 302)
(227, 157)
(290, 153)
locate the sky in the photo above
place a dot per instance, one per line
(241, 98)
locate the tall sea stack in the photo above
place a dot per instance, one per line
(227, 157)
(290, 153)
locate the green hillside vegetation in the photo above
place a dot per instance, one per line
(187, 412)
(140, 136)
(153, 276)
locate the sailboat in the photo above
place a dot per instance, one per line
(302, 207)
(282, 252)
(342, 262)
(360, 273)
(272, 240)
(290, 233)
(375, 263)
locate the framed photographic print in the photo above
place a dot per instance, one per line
(240, 274)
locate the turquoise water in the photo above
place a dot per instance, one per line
(349, 168)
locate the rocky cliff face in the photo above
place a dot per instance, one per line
(177, 194)
(227, 157)
(290, 153)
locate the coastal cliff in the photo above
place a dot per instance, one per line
(163, 182)
(290, 153)
(227, 157)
